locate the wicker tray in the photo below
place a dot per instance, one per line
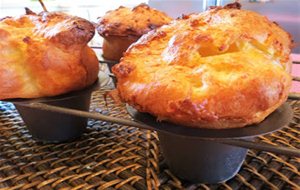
(110, 156)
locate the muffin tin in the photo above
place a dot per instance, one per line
(124, 157)
(195, 155)
(48, 126)
(198, 155)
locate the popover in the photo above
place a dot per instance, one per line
(123, 26)
(45, 55)
(222, 68)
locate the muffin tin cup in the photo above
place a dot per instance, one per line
(197, 154)
(200, 161)
(52, 127)
(55, 127)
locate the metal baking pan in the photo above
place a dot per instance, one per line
(49, 126)
(198, 155)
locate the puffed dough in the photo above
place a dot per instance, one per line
(45, 54)
(223, 68)
(123, 26)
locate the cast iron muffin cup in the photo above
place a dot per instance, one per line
(198, 156)
(55, 127)
(201, 161)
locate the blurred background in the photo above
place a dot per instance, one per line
(89, 9)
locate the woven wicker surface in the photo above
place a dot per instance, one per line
(110, 156)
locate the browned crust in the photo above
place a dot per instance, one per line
(136, 21)
(45, 54)
(223, 68)
(114, 46)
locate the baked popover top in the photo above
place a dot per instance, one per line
(223, 68)
(136, 21)
(45, 54)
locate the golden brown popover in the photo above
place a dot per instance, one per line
(223, 68)
(45, 54)
(123, 26)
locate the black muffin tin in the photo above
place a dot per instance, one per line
(193, 154)
(48, 126)
(199, 155)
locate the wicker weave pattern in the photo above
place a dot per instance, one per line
(110, 156)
